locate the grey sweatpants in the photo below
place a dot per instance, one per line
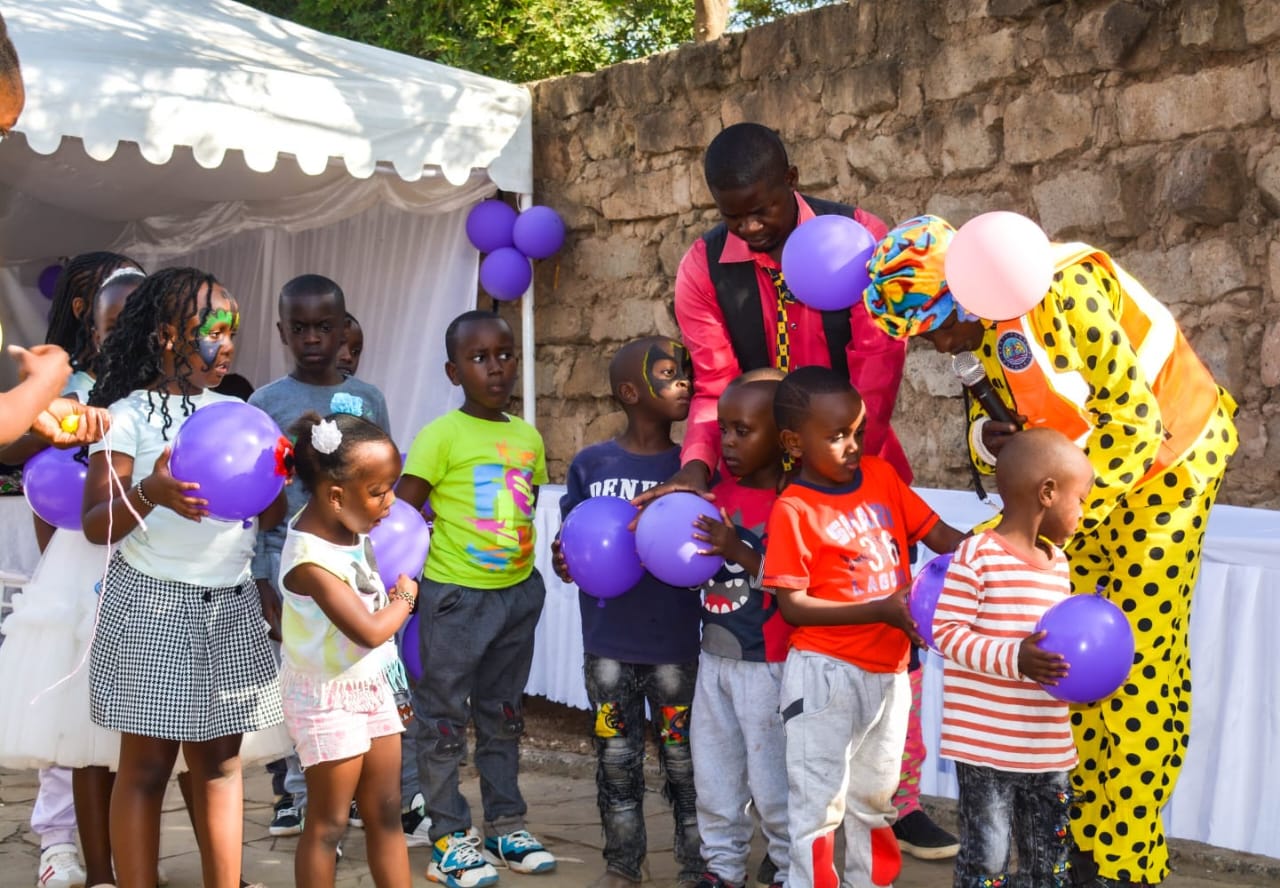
(477, 647)
(739, 759)
(846, 729)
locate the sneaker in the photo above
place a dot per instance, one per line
(416, 823)
(711, 880)
(456, 861)
(60, 867)
(767, 874)
(923, 839)
(354, 818)
(287, 820)
(520, 852)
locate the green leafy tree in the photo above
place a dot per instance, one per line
(520, 40)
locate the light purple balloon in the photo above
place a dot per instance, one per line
(599, 549)
(48, 280)
(400, 542)
(926, 588)
(824, 262)
(538, 232)
(665, 543)
(53, 483)
(505, 274)
(411, 648)
(1097, 641)
(489, 225)
(229, 449)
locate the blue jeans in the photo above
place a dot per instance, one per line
(618, 692)
(999, 808)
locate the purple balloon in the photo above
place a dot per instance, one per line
(538, 232)
(47, 283)
(230, 449)
(926, 588)
(400, 542)
(599, 549)
(505, 273)
(824, 262)
(411, 648)
(665, 543)
(53, 482)
(489, 225)
(1095, 638)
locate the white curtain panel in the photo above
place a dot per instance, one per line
(405, 275)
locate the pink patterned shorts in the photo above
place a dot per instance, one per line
(330, 735)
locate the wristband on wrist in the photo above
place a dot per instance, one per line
(142, 495)
(979, 446)
(407, 597)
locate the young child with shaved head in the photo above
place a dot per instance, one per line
(642, 645)
(1010, 740)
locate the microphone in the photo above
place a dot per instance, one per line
(968, 369)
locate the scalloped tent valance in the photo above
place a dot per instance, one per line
(213, 76)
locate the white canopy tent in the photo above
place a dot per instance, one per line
(204, 132)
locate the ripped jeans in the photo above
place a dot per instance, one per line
(618, 692)
(1001, 808)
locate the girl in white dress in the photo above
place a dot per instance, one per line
(44, 690)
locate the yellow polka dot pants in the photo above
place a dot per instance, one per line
(1131, 745)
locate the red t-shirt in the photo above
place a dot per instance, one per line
(848, 544)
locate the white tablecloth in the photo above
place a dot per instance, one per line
(18, 552)
(1229, 791)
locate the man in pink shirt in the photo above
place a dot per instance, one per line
(729, 309)
(736, 314)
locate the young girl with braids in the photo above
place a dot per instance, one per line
(44, 695)
(341, 672)
(180, 657)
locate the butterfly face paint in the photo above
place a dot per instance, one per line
(666, 365)
(219, 325)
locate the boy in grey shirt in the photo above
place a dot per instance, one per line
(312, 312)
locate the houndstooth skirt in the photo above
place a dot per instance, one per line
(180, 662)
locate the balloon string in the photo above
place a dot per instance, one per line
(117, 484)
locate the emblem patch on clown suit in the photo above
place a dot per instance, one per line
(1014, 351)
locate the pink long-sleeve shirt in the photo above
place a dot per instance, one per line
(875, 359)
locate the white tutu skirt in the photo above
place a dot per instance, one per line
(44, 669)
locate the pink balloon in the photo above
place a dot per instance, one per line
(999, 265)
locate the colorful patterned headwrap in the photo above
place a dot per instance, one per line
(908, 293)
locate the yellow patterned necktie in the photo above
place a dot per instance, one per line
(783, 360)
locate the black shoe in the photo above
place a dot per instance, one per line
(711, 880)
(287, 819)
(767, 874)
(923, 839)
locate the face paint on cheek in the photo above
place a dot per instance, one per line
(208, 349)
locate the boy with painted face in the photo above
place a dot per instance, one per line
(643, 645)
(480, 601)
(311, 310)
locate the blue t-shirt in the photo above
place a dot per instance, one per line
(652, 623)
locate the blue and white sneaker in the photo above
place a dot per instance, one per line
(520, 852)
(456, 861)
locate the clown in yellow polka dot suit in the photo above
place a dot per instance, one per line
(1102, 361)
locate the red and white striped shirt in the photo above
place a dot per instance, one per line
(991, 715)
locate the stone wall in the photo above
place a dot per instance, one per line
(1146, 128)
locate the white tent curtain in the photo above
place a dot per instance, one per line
(405, 276)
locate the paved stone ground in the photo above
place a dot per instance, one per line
(561, 792)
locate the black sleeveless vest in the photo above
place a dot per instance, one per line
(739, 296)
